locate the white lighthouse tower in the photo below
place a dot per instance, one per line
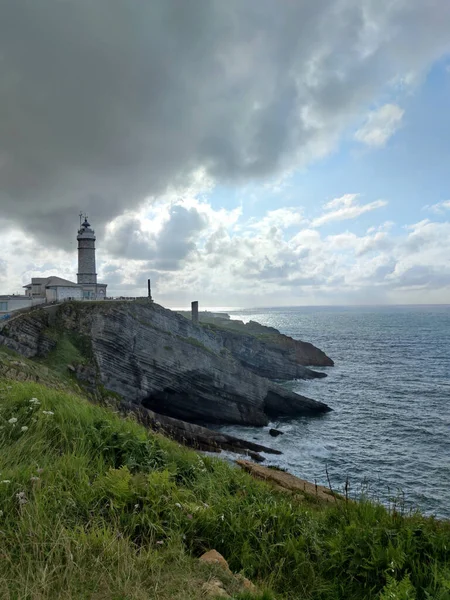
(86, 253)
(87, 276)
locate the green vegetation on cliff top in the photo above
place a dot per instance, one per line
(93, 506)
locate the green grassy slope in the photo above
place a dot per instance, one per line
(93, 506)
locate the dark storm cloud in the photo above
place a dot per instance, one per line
(105, 102)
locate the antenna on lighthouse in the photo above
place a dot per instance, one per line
(81, 216)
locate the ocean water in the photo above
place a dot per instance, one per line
(389, 431)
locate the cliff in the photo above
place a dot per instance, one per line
(155, 358)
(266, 351)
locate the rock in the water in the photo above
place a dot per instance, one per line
(256, 457)
(275, 432)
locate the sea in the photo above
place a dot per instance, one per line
(388, 434)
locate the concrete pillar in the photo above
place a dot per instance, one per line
(149, 289)
(194, 312)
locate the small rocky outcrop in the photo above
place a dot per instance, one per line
(158, 359)
(287, 482)
(275, 432)
(200, 437)
(215, 587)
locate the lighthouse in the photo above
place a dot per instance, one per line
(86, 253)
(87, 276)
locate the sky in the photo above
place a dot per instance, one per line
(239, 153)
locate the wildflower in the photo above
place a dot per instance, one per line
(12, 420)
(24, 428)
(222, 517)
(159, 543)
(189, 516)
(6, 481)
(34, 401)
(21, 497)
(48, 412)
(178, 504)
(39, 470)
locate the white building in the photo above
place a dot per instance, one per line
(53, 289)
(57, 289)
(11, 302)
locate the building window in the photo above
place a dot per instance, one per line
(3, 306)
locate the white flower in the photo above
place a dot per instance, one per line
(48, 412)
(21, 497)
(24, 428)
(34, 401)
(178, 504)
(12, 420)
(222, 517)
(6, 481)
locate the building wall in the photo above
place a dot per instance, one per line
(60, 292)
(11, 303)
(94, 292)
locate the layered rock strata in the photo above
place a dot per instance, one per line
(156, 358)
(266, 351)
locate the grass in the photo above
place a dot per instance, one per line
(95, 507)
(71, 348)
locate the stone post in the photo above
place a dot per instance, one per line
(149, 289)
(194, 312)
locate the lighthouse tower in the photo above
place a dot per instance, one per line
(86, 253)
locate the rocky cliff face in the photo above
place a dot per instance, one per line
(266, 351)
(156, 358)
(278, 357)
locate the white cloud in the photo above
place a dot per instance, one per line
(439, 207)
(222, 258)
(345, 207)
(380, 125)
(280, 218)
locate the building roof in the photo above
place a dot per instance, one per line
(51, 282)
(36, 280)
(60, 282)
